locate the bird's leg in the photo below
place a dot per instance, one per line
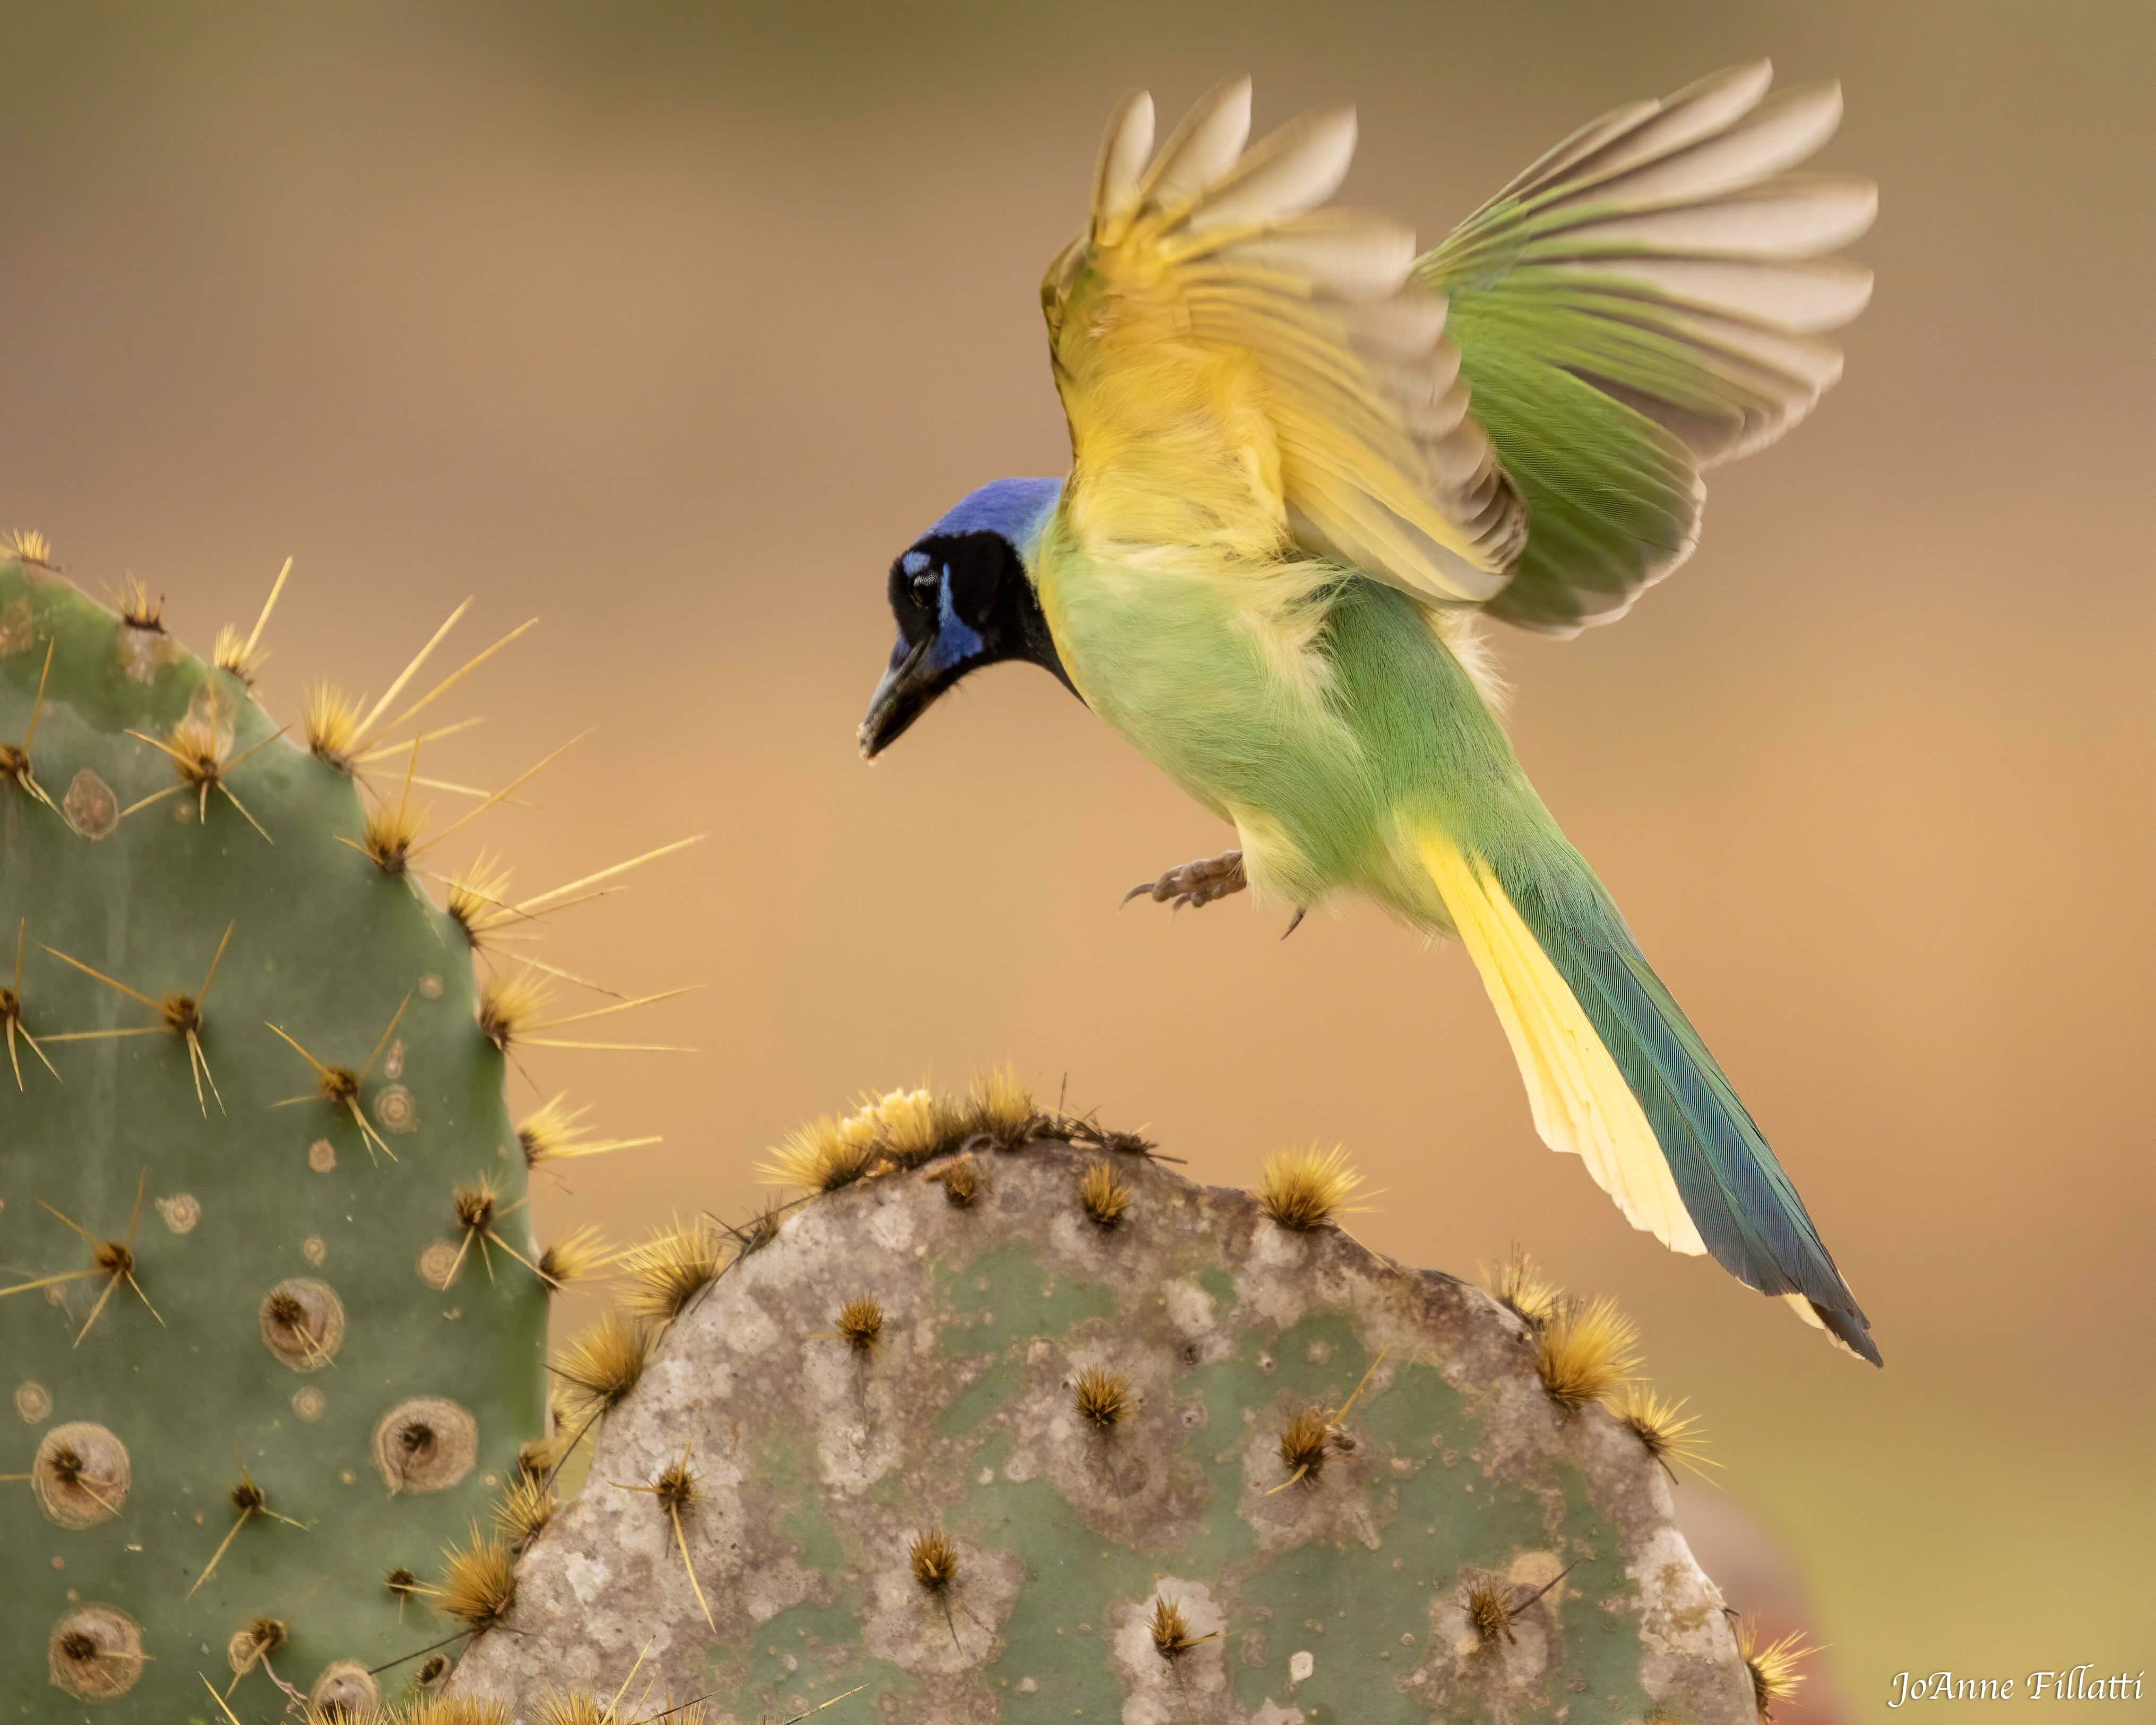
(1195, 883)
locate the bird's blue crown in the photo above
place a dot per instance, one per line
(1015, 508)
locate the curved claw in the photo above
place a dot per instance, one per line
(1195, 884)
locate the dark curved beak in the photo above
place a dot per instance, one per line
(901, 697)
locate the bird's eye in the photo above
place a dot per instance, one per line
(928, 589)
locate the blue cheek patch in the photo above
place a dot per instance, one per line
(955, 643)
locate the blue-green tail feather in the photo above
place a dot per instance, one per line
(1746, 1209)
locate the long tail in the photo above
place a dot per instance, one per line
(1617, 1076)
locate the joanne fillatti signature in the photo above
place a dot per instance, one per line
(2077, 1682)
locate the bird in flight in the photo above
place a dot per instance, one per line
(1307, 461)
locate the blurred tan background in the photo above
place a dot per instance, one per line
(672, 325)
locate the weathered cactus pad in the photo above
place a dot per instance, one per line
(996, 1461)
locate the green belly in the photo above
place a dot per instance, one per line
(1320, 765)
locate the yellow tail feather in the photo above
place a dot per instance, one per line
(1582, 1105)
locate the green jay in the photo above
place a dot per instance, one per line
(1307, 461)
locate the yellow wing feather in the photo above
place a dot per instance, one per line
(1245, 371)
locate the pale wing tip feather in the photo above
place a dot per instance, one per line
(1870, 201)
(1715, 102)
(1763, 141)
(1829, 94)
(1819, 108)
(1801, 296)
(1859, 297)
(1123, 151)
(1292, 169)
(1736, 89)
(1796, 215)
(1204, 148)
(1857, 196)
(1694, 116)
(1553, 163)
(1743, 84)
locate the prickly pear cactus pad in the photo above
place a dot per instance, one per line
(1068, 1437)
(263, 1332)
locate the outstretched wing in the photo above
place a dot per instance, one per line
(1239, 367)
(1642, 303)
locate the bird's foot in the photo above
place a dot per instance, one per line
(1195, 883)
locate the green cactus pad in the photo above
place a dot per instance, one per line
(1049, 1483)
(302, 1338)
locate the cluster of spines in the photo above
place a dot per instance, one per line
(1306, 1189)
(1772, 1666)
(477, 1584)
(1586, 1353)
(1492, 1604)
(1169, 1627)
(905, 1129)
(673, 1490)
(571, 1706)
(422, 1708)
